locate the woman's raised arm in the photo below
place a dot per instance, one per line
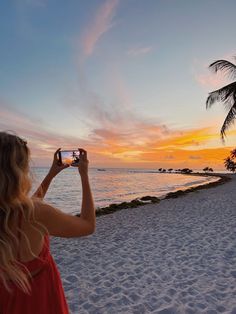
(66, 225)
(54, 170)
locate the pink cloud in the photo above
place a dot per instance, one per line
(42, 142)
(100, 25)
(204, 76)
(212, 80)
(134, 133)
(139, 51)
(123, 94)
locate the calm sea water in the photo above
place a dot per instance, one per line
(112, 186)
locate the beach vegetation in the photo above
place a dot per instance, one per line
(100, 211)
(233, 153)
(186, 170)
(207, 169)
(229, 162)
(132, 204)
(226, 94)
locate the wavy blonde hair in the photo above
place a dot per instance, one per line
(15, 185)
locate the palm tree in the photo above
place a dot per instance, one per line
(207, 169)
(230, 164)
(226, 94)
(186, 170)
(229, 161)
(233, 153)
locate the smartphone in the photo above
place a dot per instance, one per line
(69, 157)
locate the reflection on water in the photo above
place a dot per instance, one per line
(111, 186)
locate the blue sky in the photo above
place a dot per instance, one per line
(97, 72)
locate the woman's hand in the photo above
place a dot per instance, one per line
(56, 166)
(83, 162)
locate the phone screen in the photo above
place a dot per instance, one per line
(69, 157)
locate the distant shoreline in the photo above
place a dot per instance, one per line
(223, 178)
(116, 203)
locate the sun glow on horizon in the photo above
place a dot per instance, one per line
(191, 148)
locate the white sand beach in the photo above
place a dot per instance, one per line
(177, 256)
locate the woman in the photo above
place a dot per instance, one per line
(29, 279)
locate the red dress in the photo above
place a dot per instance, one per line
(47, 295)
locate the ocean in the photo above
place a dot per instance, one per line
(111, 185)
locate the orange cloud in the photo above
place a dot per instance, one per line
(188, 138)
(184, 158)
(135, 144)
(171, 148)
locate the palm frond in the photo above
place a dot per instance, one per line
(223, 65)
(227, 160)
(230, 164)
(233, 153)
(229, 120)
(224, 94)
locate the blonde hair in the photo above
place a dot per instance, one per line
(14, 198)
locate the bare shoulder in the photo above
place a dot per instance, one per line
(61, 224)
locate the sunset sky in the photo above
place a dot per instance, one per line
(125, 79)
